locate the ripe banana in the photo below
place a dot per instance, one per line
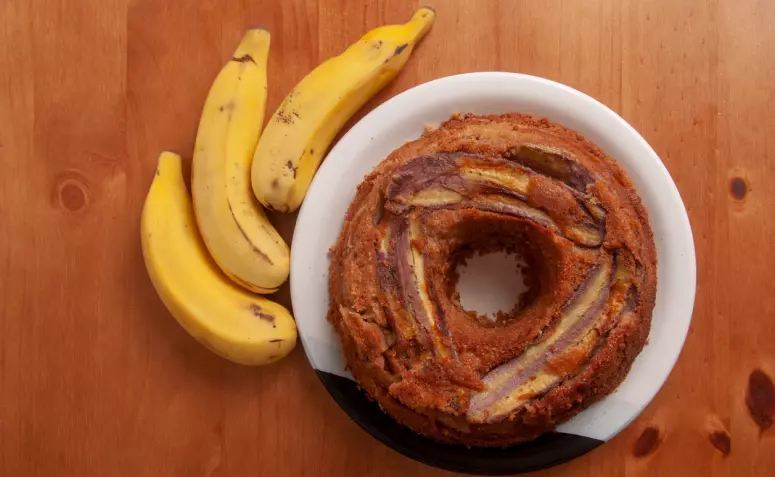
(302, 128)
(232, 222)
(230, 321)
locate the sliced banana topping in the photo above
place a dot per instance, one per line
(496, 185)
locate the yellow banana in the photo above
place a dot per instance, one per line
(232, 222)
(302, 128)
(230, 321)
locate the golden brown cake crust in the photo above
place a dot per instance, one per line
(481, 183)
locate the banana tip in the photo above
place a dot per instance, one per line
(169, 155)
(423, 12)
(421, 21)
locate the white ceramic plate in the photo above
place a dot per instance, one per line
(402, 119)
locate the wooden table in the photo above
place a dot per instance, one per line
(96, 378)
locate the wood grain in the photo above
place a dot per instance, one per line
(97, 379)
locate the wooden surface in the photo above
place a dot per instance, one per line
(97, 379)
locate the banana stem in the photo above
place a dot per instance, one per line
(254, 44)
(421, 22)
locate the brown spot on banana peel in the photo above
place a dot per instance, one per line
(264, 256)
(244, 59)
(283, 117)
(290, 167)
(400, 48)
(227, 107)
(258, 312)
(269, 231)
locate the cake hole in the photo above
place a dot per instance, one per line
(492, 283)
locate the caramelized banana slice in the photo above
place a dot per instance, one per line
(554, 165)
(516, 381)
(491, 184)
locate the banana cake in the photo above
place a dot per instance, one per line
(482, 183)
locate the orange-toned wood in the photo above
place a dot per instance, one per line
(97, 379)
